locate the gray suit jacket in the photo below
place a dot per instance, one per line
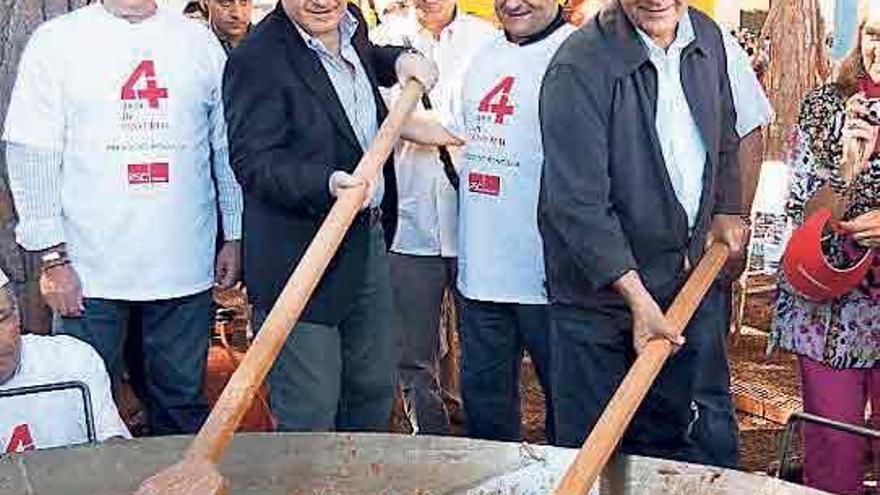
(607, 205)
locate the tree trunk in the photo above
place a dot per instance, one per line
(18, 19)
(798, 63)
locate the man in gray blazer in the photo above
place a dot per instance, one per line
(640, 167)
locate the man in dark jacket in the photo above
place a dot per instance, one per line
(302, 105)
(640, 167)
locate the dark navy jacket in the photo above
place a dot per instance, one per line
(607, 205)
(287, 133)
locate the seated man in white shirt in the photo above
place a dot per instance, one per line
(49, 419)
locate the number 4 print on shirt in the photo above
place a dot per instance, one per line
(21, 440)
(150, 91)
(500, 108)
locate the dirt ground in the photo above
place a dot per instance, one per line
(532, 410)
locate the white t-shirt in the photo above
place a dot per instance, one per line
(56, 419)
(427, 203)
(500, 256)
(136, 109)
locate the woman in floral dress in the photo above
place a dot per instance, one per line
(838, 342)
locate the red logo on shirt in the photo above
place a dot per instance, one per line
(149, 91)
(484, 184)
(500, 108)
(21, 440)
(148, 173)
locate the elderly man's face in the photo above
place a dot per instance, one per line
(524, 18)
(10, 336)
(316, 17)
(230, 18)
(435, 12)
(657, 18)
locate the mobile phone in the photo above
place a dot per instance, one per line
(871, 90)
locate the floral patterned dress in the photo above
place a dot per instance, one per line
(844, 333)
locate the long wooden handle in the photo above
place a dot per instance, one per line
(600, 445)
(214, 437)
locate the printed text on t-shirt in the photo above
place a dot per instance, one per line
(484, 184)
(499, 108)
(150, 91)
(21, 439)
(148, 173)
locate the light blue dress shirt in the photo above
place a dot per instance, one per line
(683, 148)
(352, 86)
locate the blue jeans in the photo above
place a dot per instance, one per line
(175, 335)
(330, 378)
(592, 352)
(493, 338)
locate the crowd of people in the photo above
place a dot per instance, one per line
(756, 47)
(562, 180)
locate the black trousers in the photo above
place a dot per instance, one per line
(493, 338)
(592, 352)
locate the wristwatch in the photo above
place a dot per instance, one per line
(51, 259)
(411, 50)
(52, 256)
